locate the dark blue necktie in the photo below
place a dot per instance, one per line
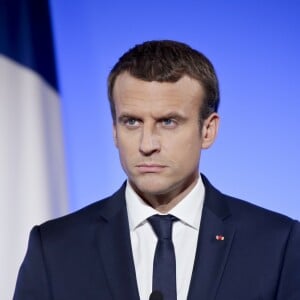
(164, 264)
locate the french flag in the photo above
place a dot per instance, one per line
(32, 167)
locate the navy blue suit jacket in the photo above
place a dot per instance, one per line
(87, 255)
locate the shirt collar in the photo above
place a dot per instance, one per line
(188, 210)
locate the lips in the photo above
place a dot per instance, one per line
(150, 168)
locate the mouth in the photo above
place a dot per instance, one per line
(150, 168)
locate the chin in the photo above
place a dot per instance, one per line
(153, 186)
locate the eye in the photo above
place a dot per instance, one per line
(131, 122)
(169, 123)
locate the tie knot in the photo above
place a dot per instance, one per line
(162, 226)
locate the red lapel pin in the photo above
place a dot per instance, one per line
(220, 238)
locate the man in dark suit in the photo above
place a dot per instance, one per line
(164, 98)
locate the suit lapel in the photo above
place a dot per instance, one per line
(113, 241)
(214, 243)
(114, 245)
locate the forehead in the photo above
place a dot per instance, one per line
(132, 93)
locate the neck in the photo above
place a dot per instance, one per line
(164, 202)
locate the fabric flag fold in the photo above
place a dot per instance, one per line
(32, 173)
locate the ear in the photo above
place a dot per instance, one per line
(210, 130)
(115, 136)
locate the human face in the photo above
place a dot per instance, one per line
(158, 136)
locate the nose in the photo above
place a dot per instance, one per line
(149, 142)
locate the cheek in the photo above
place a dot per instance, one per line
(189, 153)
(122, 140)
(125, 158)
(184, 144)
(184, 158)
(126, 147)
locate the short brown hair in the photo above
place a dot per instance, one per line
(168, 61)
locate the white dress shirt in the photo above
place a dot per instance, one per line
(185, 237)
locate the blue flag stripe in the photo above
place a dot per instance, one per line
(26, 36)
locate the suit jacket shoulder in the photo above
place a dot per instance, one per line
(245, 251)
(99, 211)
(83, 255)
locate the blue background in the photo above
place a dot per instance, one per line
(254, 46)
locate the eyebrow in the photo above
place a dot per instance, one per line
(126, 116)
(169, 115)
(172, 115)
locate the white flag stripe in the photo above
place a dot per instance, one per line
(32, 170)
